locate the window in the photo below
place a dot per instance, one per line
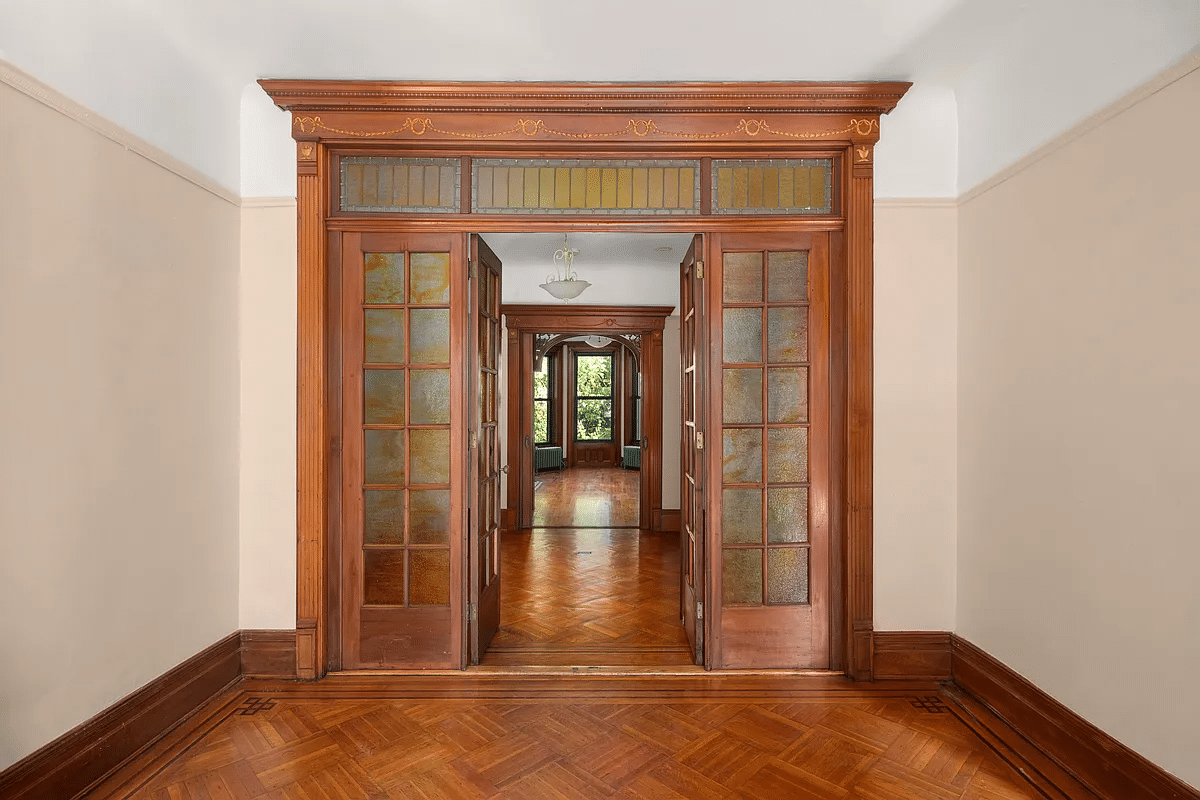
(544, 429)
(593, 397)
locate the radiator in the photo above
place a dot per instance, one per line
(631, 457)
(547, 458)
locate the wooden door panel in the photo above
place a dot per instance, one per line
(403, 427)
(768, 301)
(483, 545)
(693, 350)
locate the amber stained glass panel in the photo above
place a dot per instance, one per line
(741, 516)
(430, 454)
(787, 334)
(742, 281)
(742, 455)
(383, 280)
(787, 455)
(742, 576)
(429, 403)
(787, 575)
(742, 335)
(787, 514)
(383, 577)
(430, 281)
(430, 336)
(383, 396)
(742, 395)
(383, 453)
(429, 577)
(383, 516)
(383, 335)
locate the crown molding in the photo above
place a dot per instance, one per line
(584, 98)
(31, 87)
(916, 202)
(268, 202)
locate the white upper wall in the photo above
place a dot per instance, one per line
(993, 78)
(1061, 62)
(119, 59)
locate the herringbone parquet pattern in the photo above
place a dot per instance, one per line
(586, 497)
(589, 597)
(575, 737)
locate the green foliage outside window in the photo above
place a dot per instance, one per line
(541, 402)
(593, 397)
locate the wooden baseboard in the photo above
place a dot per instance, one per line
(912, 655)
(268, 653)
(1085, 753)
(88, 752)
(670, 519)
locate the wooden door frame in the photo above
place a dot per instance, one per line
(696, 120)
(524, 323)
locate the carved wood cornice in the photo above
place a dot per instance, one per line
(599, 98)
(581, 319)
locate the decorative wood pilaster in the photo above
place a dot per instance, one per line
(312, 434)
(652, 413)
(859, 404)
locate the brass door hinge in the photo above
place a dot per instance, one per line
(699, 440)
(472, 269)
(699, 270)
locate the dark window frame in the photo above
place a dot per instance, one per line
(551, 401)
(610, 398)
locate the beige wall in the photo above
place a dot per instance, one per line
(915, 414)
(1079, 450)
(118, 418)
(267, 319)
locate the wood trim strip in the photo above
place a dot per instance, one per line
(1072, 745)
(312, 444)
(268, 653)
(92, 750)
(912, 655)
(858, 419)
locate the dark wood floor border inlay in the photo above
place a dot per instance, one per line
(1087, 754)
(88, 752)
(1061, 754)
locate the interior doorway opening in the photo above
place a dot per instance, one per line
(588, 575)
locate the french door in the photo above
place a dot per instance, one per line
(767, 480)
(421, 461)
(404, 473)
(483, 461)
(693, 346)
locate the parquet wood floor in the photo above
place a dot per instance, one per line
(470, 737)
(589, 597)
(586, 497)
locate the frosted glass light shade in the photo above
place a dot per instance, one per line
(565, 290)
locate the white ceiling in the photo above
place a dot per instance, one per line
(611, 262)
(994, 78)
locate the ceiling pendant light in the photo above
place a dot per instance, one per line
(564, 283)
